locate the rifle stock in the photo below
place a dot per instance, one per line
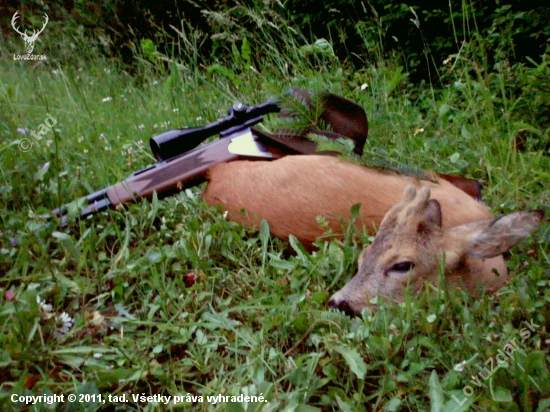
(175, 174)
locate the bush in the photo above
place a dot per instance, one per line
(422, 35)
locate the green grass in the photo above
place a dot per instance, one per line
(255, 320)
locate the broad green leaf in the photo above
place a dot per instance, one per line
(234, 407)
(393, 404)
(224, 71)
(344, 407)
(355, 209)
(246, 53)
(465, 133)
(435, 393)
(454, 157)
(236, 54)
(299, 249)
(321, 46)
(61, 236)
(544, 405)
(354, 360)
(154, 256)
(458, 402)
(39, 176)
(502, 395)
(5, 358)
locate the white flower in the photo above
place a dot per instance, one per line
(199, 118)
(364, 86)
(175, 110)
(45, 308)
(459, 367)
(141, 127)
(96, 319)
(22, 131)
(106, 99)
(63, 323)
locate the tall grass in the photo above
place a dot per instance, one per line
(170, 298)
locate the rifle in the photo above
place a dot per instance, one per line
(182, 163)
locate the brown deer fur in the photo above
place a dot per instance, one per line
(291, 192)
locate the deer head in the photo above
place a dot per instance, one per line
(29, 40)
(411, 246)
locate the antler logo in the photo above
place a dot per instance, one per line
(29, 40)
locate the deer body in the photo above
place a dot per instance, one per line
(291, 192)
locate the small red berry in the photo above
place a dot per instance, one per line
(190, 279)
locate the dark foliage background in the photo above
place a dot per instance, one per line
(423, 34)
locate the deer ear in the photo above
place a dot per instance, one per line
(432, 214)
(431, 218)
(490, 238)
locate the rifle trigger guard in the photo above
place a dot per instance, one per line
(247, 145)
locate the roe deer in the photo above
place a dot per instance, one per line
(411, 244)
(291, 192)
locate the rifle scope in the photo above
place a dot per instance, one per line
(175, 142)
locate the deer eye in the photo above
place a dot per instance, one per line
(402, 267)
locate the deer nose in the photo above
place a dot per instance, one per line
(341, 305)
